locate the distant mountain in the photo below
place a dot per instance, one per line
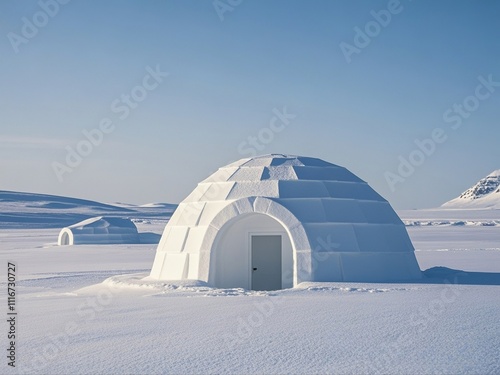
(35, 200)
(22, 210)
(485, 194)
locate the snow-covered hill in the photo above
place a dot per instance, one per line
(485, 194)
(31, 210)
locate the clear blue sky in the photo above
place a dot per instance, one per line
(225, 79)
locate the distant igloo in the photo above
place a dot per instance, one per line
(100, 230)
(274, 221)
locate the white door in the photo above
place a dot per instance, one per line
(266, 262)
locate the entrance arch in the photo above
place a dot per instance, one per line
(65, 237)
(242, 243)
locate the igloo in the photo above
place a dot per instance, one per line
(99, 230)
(274, 221)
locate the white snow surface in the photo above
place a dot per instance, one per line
(91, 309)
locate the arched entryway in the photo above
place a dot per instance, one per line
(252, 251)
(65, 237)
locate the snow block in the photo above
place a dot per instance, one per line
(279, 173)
(227, 213)
(158, 264)
(209, 238)
(244, 206)
(285, 161)
(352, 190)
(284, 216)
(304, 267)
(325, 174)
(379, 212)
(211, 210)
(163, 239)
(302, 189)
(222, 175)
(189, 214)
(343, 211)
(197, 193)
(332, 237)
(195, 239)
(176, 239)
(326, 267)
(258, 162)
(238, 163)
(175, 266)
(247, 174)
(261, 204)
(397, 239)
(313, 162)
(205, 259)
(371, 237)
(298, 238)
(193, 267)
(372, 267)
(306, 210)
(254, 189)
(218, 191)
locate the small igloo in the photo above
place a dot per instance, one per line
(100, 230)
(274, 221)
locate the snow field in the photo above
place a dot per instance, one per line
(91, 309)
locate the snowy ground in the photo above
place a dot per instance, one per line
(81, 311)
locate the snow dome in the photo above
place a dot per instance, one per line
(99, 230)
(274, 221)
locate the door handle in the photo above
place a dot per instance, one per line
(255, 269)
